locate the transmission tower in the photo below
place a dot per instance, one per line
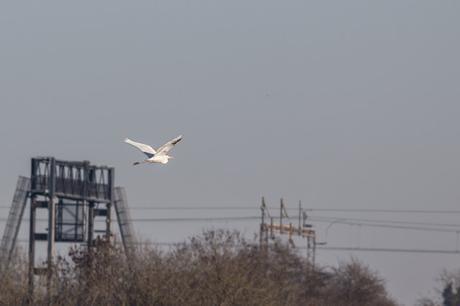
(282, 227)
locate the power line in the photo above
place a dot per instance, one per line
(249, 207)
(252, 207)
(196, 219)
(327, 248)
(371, 210)
(380, 221)
(388, 250)
(392, 224)
(339, 248)
(344, 210)
(185, 219)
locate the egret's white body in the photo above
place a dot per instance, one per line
(155, 156)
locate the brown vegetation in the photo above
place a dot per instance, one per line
(449, 292)
(217, 268)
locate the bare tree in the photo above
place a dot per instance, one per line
(216, 268)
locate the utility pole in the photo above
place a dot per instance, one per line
(281, 215)
(300, 216)
(51, 225)
(262, 232)
(311, 238)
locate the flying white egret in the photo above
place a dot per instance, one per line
(155, 156)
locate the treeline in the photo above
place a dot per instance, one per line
(215, 268)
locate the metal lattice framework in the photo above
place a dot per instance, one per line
(13, 223)
(124, 220)
(304, 230)
(74, 193)
(73, 180)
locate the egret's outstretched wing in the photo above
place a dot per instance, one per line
(164, 149)
(146, 149)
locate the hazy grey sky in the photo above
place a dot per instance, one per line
(337, 103)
